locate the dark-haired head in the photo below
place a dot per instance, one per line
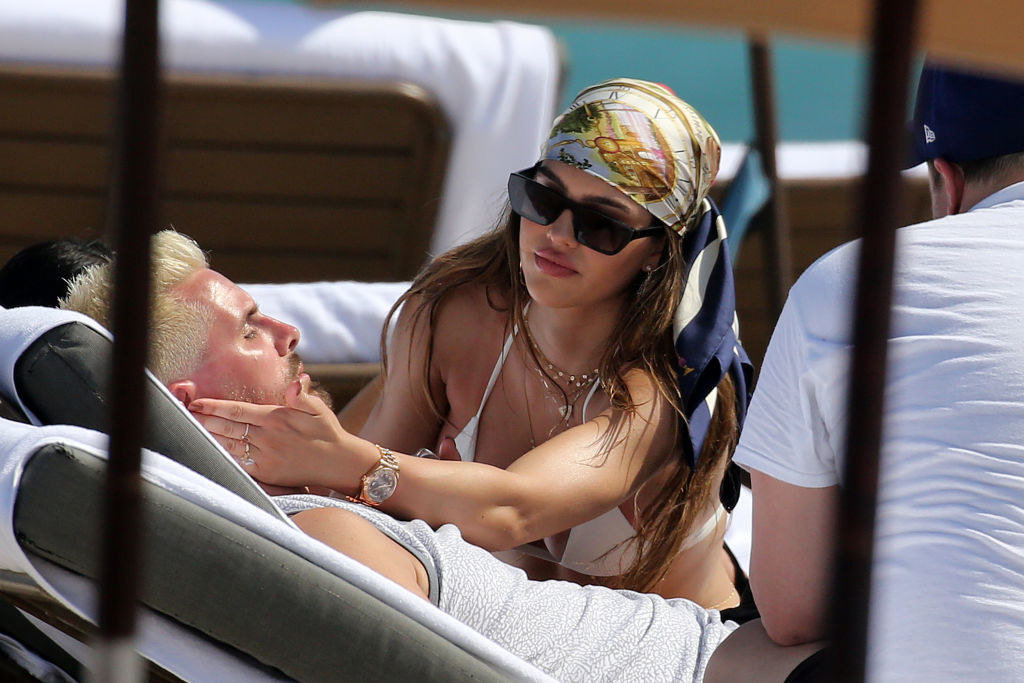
(39, 274)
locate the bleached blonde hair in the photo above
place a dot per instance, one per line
(179, 329)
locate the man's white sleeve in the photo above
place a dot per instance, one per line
(794, 429)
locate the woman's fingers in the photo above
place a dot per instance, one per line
(448, 450)
(236, 411)
(260, 450)
(236, 447)
(294, 444)
(219, 426)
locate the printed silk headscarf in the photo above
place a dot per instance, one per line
(646, 142)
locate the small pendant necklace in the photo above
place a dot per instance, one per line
(565, 397)
(529, 416)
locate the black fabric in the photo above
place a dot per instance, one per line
(264, 602)
(732, 482)
(9, 411)
(62, 378)
(814, 669)
(15, 625)
(746, 610)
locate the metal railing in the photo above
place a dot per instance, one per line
(136, 206)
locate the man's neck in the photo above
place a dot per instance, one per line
(977, 192)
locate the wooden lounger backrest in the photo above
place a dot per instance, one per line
(283, 179)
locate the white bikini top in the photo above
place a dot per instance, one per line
(598, 547)
(465, 440)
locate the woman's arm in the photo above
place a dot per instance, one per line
(567, 480)
(573, 477)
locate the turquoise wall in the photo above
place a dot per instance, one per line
(819, 87)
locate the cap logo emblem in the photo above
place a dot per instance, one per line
(929, 134)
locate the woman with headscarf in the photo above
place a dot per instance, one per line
(580, 361)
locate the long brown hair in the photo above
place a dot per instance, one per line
(642, 339)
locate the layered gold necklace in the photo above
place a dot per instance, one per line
(564, 388)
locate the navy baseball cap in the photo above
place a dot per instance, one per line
(965, 116)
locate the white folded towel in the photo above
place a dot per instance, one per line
(340, 322)
(19, 327)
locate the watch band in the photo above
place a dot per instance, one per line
(380, 481)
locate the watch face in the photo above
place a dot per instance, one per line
(381, 484)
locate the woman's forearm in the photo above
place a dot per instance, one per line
(489, 505)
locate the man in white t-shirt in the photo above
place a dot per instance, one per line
(948, 577)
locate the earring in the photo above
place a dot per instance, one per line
(645, 283)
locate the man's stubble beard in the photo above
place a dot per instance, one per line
(261, 396)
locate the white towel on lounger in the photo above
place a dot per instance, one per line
(19, 327)
(340, 322)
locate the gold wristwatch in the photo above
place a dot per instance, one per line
(380, 481)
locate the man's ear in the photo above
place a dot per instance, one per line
(184, 390)
(952, 185)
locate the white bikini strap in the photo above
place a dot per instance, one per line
(586, 401)
(497, 370)
(705, 530)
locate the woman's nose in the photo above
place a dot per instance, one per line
(561, 230)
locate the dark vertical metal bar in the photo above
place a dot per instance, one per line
(135, 214)
(893, 39)
(778, 269)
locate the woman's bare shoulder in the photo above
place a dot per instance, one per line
(454, 330)
(467, 312)
(466, 301)
(642, 386)
(468, 335)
